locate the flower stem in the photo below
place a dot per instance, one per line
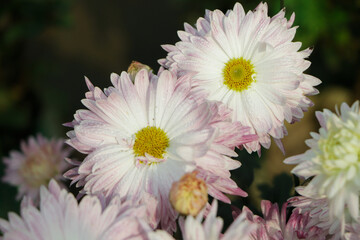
(282, 4)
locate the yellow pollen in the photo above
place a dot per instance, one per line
(238, 74)
(150, 140)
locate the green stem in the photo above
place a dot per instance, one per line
(282, 4)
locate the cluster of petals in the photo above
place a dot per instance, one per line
(318, 211)
(352, 231)
(279, 87)
(274, 225)
(199, 132)
(193, 228)
(333, 162)
(38, 161)
(61, 217)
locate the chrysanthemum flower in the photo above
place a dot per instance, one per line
(39, 161)
(333, 162)
(141, 137)
(193, 229)
(318, 211)
(61, 217)
(275, 226)
(249, 62)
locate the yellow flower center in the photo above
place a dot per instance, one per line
(151, 140)
(238, 74)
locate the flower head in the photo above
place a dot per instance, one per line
(249, 62)
(61, 217)
(39, 161)
(318, 212)
(141, 137)
(333, 162)
(275, 226)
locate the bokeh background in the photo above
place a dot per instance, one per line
(47, 46)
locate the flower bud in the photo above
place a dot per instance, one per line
(135, 67)
(189, 195)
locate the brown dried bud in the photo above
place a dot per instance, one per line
(189, 195)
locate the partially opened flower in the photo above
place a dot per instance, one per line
(61, 217)
(333, 162)
(141, 137)
(249, 62)
(38, 161)
(193, 228)
(275, 226)
(318, 211)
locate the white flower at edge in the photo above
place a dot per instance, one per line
(333, 162)
(61, 217)
(249, 62)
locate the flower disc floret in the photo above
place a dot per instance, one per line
(238, 74)
(151, 140)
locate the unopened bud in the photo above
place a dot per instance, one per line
(135, 67)
(189, 195)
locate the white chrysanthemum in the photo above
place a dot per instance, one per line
(61, 217)
(141, 137)
(193, 228)
(39, 161)
(334, 162)
(249, 62)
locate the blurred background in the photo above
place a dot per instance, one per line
(47, 46)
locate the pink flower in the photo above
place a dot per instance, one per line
(274, 225)
(352, 231)
(141, 137)
(318, 212)
(39, 161)
(249, 62)
(61, 217)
